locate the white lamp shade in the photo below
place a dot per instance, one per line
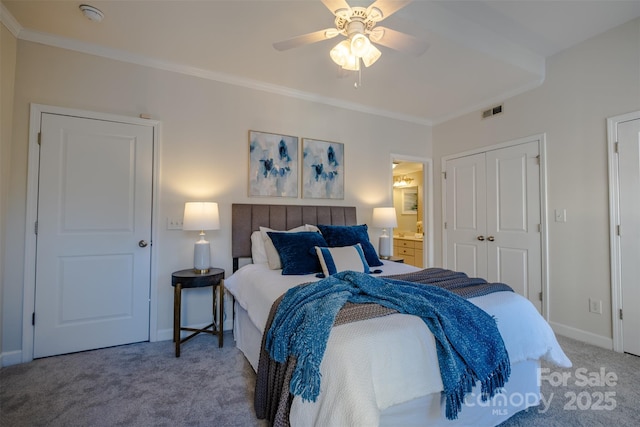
(384, 217)
(201, 216)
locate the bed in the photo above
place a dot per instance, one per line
(384, 370)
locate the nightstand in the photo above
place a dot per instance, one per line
(188, 279)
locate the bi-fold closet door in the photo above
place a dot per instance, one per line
(493, 219)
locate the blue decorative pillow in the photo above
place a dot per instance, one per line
(349, 235)
(335, 260)
(297, 251)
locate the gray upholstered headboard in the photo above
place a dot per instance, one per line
(247, 218)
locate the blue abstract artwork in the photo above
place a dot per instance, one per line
(273, 165)
(322, 169)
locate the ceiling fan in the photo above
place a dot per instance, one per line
(358, 24)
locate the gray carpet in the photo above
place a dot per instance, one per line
(145, 385)
(133, 385)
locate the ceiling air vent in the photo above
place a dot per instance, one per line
(492, 111)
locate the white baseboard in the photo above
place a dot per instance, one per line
(584, 336)
(15, 357)
(11, 358)
(164, 334)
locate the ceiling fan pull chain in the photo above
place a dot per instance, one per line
(358, 82)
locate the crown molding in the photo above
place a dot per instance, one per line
(9, 21)
(120, 55)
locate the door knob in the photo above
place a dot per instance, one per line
(491, 238)
(142, 244)
(481, 238)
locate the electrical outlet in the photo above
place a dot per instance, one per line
(174, 223)
(595, 306)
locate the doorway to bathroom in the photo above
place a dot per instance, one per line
(412, 199)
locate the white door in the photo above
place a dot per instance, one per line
(94, 220)
(493, 217)
(629, 178)
(466, 220)
(513, 238)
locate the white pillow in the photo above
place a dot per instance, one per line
(258, 252)
(273, 258)
(335, 260)
(312, 228)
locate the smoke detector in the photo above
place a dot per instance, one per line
(93, 13)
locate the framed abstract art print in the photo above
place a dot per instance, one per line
(322, 169)
(273, 165)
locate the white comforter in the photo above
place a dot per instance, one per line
(373, 364)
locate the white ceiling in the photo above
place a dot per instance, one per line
(480, 53)
(402, 168)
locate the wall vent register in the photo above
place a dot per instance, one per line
(492, 111)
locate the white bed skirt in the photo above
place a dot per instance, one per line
(522, 390)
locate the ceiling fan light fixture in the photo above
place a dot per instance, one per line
(340, 53)
(358, 25)
(352, 63)
(360, 45)
(372, 55)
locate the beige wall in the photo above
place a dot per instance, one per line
(584, 86)
(7, 75)
(204, 152)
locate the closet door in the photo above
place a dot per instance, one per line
(492, 218)
(466, 219)
(513, 219)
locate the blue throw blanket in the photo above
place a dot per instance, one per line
(468, 343)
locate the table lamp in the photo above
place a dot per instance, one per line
(384, 218)
(201, 216)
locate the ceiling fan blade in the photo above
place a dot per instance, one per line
(335, 6)
(398, 41)
(317, 36)
(386, 8)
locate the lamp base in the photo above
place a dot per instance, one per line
(201, 257)
(384, 247)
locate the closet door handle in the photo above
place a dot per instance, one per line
(481, 238)
(491, 238)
